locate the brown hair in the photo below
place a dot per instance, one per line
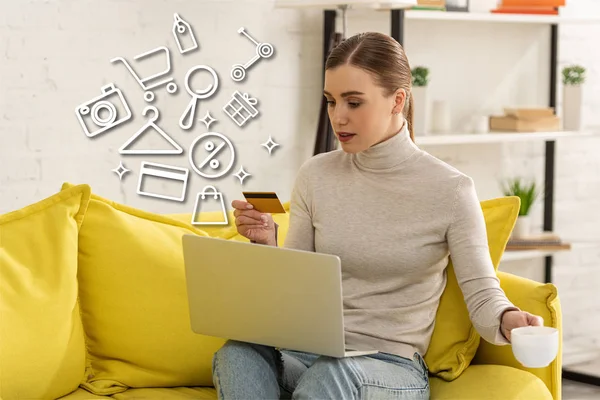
(382, 56)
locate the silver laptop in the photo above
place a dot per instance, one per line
(288, 299)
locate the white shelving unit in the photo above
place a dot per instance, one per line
(399, 18)
(496, 137)
(502, 18)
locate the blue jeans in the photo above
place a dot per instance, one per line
(250, 371)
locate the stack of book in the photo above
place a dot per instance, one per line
(435, 5)
(525, 120)
(544, 7)
(541, 241)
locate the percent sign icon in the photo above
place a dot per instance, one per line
(211, 159)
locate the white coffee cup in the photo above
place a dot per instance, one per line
(534, 346)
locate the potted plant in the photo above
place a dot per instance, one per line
(420, 80)
(528, 192)
(573, 77)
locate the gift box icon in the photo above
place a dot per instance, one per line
(207, 197)
(241, 108)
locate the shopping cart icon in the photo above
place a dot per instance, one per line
(156, 80)
(264, 50)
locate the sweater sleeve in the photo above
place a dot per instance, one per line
(301, 232)
(469, 250)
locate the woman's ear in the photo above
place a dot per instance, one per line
(399, 100)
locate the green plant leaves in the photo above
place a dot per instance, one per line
(573, 75)
(420, 76)
(528, 192)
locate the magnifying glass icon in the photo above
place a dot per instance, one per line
(187, 119)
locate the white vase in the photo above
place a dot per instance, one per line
(421, 110)
(441, 120)
(571, 106)
(522, 227)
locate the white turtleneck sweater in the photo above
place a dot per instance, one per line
(393, 214)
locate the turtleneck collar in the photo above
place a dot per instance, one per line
(388, 154)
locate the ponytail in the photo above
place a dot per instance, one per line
(409, 114)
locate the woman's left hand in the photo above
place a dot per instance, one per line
(515, 319)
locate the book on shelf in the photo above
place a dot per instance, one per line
(541, 7)
(532, 3)
(525, 119)
(430, 5)
(541, 241)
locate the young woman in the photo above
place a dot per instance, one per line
(393, 214)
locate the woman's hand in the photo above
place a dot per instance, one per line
(253, 224)
(515, 319)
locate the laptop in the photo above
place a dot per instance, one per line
(288, 299)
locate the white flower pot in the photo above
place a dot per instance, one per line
(522, 227)
(421, 110)
(441, 120)
(571, 106)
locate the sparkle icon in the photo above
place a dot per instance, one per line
(241, 175)
(207, 120)
(120, 170)
(270, 144)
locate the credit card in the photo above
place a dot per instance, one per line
(266, 202)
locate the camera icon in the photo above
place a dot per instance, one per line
(103, 112)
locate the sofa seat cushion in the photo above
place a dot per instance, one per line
(179, 393)
(491, 382)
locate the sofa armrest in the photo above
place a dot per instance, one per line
(539, 299)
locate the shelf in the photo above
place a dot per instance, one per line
(519, 255)
(382, 5)
(495, 137)
(490, 17)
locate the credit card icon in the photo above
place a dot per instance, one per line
(163, 181)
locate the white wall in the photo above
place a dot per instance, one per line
(55, 55)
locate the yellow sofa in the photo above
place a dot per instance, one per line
(128, 266)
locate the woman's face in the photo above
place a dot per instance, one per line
(360, 113)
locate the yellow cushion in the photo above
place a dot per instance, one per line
(455, 340)
(490, 382)
(179, 393)
(134, 303)
(42, 348)
(82, 394)
(220, 231)
(539, 299)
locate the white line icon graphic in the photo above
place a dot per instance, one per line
(207, 194)
(182, 31)
(121, 170)
(264, 50)
(208, 140)
(146, 130)
(207, 120)
(146, 83)
(241, 175)
(270, 144)
(187, 119)
(106, 103)
(241, 108)
(168, 174)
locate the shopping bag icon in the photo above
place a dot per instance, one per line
(205, 200)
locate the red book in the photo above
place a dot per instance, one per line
(526, 10)
(532, 3)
